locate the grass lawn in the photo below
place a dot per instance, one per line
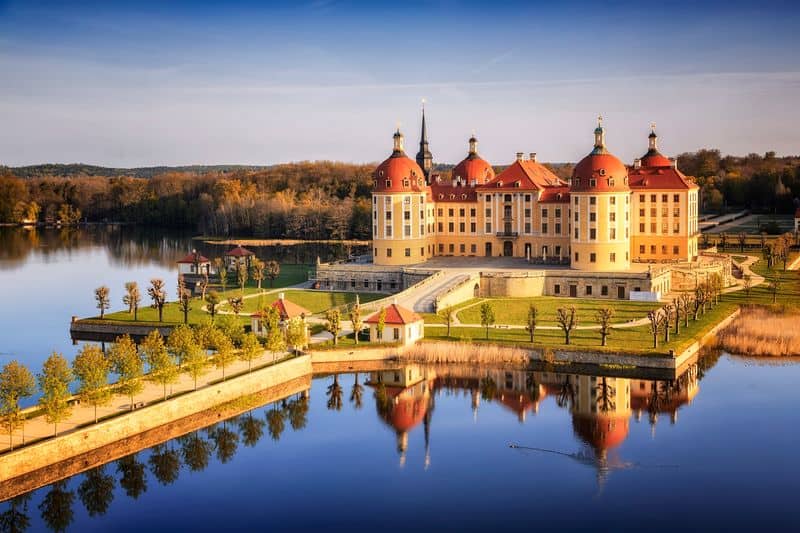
(289, 275)
(314, 301)
(172, 314)
(514, 311)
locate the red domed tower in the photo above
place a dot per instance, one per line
(653, 158)
(399, 210)
(473, 170)
(600, 210)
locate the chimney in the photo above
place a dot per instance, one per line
(673, 163)
(637, 163)
(520, 156)
(533, 157)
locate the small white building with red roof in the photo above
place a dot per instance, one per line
(194, 264)
(400, 326)
(287, 311)
(236, 256)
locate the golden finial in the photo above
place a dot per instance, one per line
(423, 103)
(599, 120)
(653, 126)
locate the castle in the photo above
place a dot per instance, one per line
(602, 219)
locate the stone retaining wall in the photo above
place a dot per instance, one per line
(41, 454)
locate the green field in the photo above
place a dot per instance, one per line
(314, 301)
(172, 314)
(514, 311)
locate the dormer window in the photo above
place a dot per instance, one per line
(592, 182)
(625, 180)
(517, 184)
(602, 172)
(388, 184)
(406, 183)
(380, 173)
(374, 183)
(441, 196)
(463, 196)
(610, 182)
(452, 196)
(499, 184)
(576, 182)
(458, 178)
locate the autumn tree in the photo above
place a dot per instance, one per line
(242, 275)
(91, 368)
(356, 319)
(132, 298)
(236, 304)
(487, 317)
(533, 318)
(102, 299)
(212, 301)
(273, 271)
(257, 270)
(565, 316)
(128, 365)
(296, 334)
(222, 272)
(448, 313)
(250, 350)
(333, 324)
(224, 354)
(184, 346)
(163, 367)
(381, 325)
(158, 295)
(54, 383)
(16, 383)
(184, 298)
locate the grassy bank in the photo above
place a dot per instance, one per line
(314, 301)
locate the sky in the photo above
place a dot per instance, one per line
(145, 83)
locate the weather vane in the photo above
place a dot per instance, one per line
(653, 126)
(599, 120)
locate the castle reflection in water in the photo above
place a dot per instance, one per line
(601, 407)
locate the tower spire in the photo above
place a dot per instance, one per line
(653, 139)
(424, 156)
(599, 137)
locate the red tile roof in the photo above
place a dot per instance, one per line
(239, 251)
(474, 168)
(395, 314)
(287, 309)
(399, 173)
(194, 258)
(555, 195)
(659, 178)
(606, 169)
(524, 175)
(445, 192)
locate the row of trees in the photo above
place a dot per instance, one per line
(156, 360)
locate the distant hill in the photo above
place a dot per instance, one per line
(79, 169)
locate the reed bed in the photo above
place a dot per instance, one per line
(465, 353)
(763, 331)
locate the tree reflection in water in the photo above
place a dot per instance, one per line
(96, 491)
(165, 463)
(133, 479)
(335, 393)
(226, 442)
(196, 451)
(56, 507)
(252, 429)
(16, 517)
(357, 393)
(275, 422)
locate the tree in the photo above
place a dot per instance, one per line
(222, 272)
(487, 317)
(163, 368)
(91, 368)
(252, 429)
(56, 507)
(685, 302)
(275, 341)
(158, 295)
(241, 275)
(257, 267)
(96, 491)
(296, 335)
(16, 383)
(54, 383)
(449, 316)
(273, 271)
(224, 352)
(133, 479)
(604, 316)
(128, 365)
(132, 298)
(667, 314)
(356, 319)
(250, 350)
(775, 286)
(748, 284)
(183, 344)
(184, 298)
(236, 305)
(742, 237)
(212, 301)
(203, 284)
(565, 316)
(103, 302)
(656, 319)
(381, 325)
(333, 324)
(533, 318)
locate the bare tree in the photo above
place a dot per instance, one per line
(656, 320)
(449, 315)
(604, 317)
(184, 298)
(567, 321)
(273, 271)
(158, 295)
(132, 298)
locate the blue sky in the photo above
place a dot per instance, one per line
(147, 83)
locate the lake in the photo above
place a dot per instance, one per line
(414, 447)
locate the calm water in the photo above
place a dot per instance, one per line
(424, 448)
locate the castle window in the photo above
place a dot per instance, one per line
(604, 290)
(612, 233)
(527, 227)
(507, 198)
(641, 197)
(664, 197)
(588, 290)
(612, 216)
(592, 182)
(472, 211)
(577, 256)
(592, 234)
(576, 182)
(499, 184)
(544, 228)
(652, 197)
(473, 227)
(388, 184)
(462, 248)
(558, 251)
(388, 215)
(473, 248)
(576, 200)
(558, 228)
(408, 252)
(558, 212)
(641, 212)
(441, 197)
(592, 257)
(653, 249)
(612, 200)
(527, 197)
(462, 227)
(641, 227)
(592, 200)
(602, 172)
(675, 250)
(612, 257)
(557, 287)
(676, 198)
(452, 248)
(380, 173)
(441, 248)
(388, 252)
(406, 215)
(611, 182)
(544, 213)
(441, 211)
(516, 184)
(452, 196)
(463, 196)
(592, 216)
(407, 200)
(450, 212)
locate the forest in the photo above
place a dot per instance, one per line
(313, 200)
